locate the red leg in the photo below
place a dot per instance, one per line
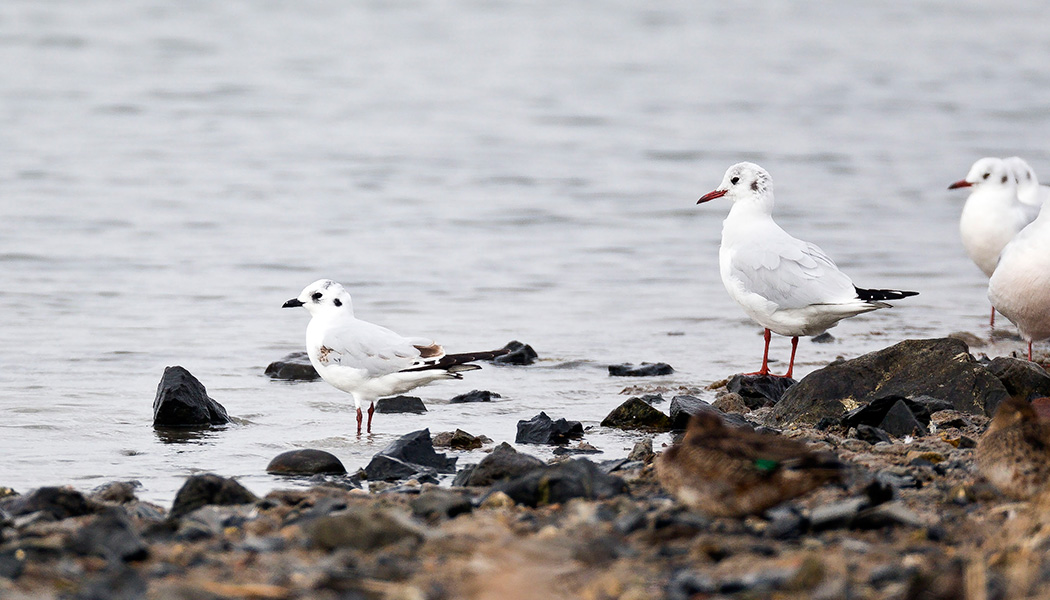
(791, 365)
(359, 421)
(991, 322)
(765, 357)
(371, 409)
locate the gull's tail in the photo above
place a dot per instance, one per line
(878, 295)
(458, 363)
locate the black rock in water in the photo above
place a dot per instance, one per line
(684, 407)
(577, 478)
(388, 468)
(415, 448)
(110, 535)
(202, 490)
(182, 401)
(503, 464)
(401, 404)
(542, 430)
(645, 369)
(1023, 379)
(760, 390)
(475, 396)
(305, 462)
(520, 354)
(57, 502)
(635, 413)
(939, 368)
(293, 367)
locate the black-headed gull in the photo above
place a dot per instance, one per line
(1020, 286)
(366, 360)
(1029, 191)
(787, 286)
(992, 215)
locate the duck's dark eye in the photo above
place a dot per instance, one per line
(985, 176)
(317, 296)
(734, 180)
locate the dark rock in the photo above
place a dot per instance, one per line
(637, 414)
(576, 478)
(643, 370)
(363, 529)
(401, 404)
(542, 430)
(475, 396)
(435, 505)
(631, 521)
(293, 367)
(305, 462)
(117, 583)
(940, 368)
(731, 402)
(642, 451)
(388, 468)
(759, 390)
(56, 502)
(836, 515)
(182, 401)
(1022, 379)
(503, 464)
(110, 535)
(202, 490)
(827, 423)
(416, 448)
(581, 448)
(520, 354)
(119, 492)
(900, 421)
(684, 407)
(651, 398)
(461, 440)
(12, 563)
(824, 338)
(785, 523)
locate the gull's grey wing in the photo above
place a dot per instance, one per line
(790, 273)
(378, 350)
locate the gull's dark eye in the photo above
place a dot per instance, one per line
(985, 176)
(1004, 178)
(734, 180)
(317, 296)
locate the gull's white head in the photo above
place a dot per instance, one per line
(322, 296)
(744, 181)
(989, 172)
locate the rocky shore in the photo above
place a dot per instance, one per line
(911, 516)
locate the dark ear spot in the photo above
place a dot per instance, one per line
(337, 302)
(1004, 178)
(754, 186)
(317, 296)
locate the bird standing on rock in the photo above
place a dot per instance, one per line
(784, 284)
(733, 472)
(992, 215)
(366, 360)
(1014, 452)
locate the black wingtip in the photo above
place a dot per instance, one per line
(878, 295)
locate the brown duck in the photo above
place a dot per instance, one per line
(1014, 452)
(730, 472)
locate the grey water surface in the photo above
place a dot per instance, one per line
(475, 172)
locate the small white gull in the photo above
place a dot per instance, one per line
(992, 215)
(366, 360)
(1029, 192)
(1020, 286)
(784, 284)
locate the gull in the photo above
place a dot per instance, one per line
(1029, 192)
(992, 215)
(1020, 286)
(366, 360)
(784, 284)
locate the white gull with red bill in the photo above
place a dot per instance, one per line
(366, 360)
(784, 284)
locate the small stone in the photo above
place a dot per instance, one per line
(888, 514)
(12, 563)
(541, 429)
(118, 582)
(576, 478)
(119, 492)
(497, 500)
(580, 448)
(461, 440)
(637, 414)
(645, 369)
(435, 505)
(871, 435)
(110, 534)
(401, 404)
(389, 468)
(759, 390)
(417, 448)
(824, 338)
(894, 479)
(57, 503)
(202, 490)
(930, 456)
(836, 515)
(292, 367)
(363, 529)
(944, 419)
(182, 401)
(475, 396)
(519, 354)
(502, 464)
(684, 407)
(731, 403)
(305, 462)
(900, 421)
(855, 445)
(642, 451)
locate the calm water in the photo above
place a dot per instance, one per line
(475, 172)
